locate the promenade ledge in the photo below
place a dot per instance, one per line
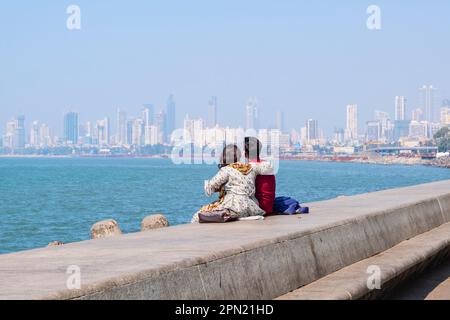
(243, 260)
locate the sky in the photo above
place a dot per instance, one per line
(307, 58)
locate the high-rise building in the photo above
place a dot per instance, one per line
(351, 130)
(148, 114)
(427, 96)
(400, 108)
(418, 129)
(169, 119)
(401, 129)
(212, 112)
(103, 132)
(417, 115)
(251, 114)
(137, 132)
(8, 140)
(374, 131)
(15, 132)
(121, 130)
(339, 136)
(164, 133)
(45, 139)
(34, 134)
(194, 128)
(387, 128)
(130, 125)
(71, 128)
(312, 130)
(445, 116)
(279, 118)
(151, 135)
(214, 137)
(445, 113)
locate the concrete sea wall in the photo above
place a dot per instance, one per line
(243, 260)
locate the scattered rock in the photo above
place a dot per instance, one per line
(55, 244)
(156, 221)
(443, 162)
(104, 229)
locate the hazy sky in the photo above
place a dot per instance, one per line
(307, 58)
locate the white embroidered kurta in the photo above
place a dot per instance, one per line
(239, 190)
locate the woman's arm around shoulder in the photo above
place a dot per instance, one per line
(264, 168)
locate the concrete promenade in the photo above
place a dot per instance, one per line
(243, 260)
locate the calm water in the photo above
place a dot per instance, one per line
(42, 200)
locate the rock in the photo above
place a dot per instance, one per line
(156, 221)
(105, 229)
(55, 244)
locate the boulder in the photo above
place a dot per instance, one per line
(152, 222)
(105, 229)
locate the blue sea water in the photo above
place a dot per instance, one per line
(47, 199)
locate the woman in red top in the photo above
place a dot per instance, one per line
(265, 184)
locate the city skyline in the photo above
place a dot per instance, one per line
(154, 126)
(304, 58)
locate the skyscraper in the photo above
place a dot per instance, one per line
(15, 133)
(373, 131)
(34, 134)
(352, 123)
(339, 136)
(161, 123)
(8, 140)
(312, 130)
(130, 125)
(212, 112)
(151, 135)
(194, 127)
(148, 114)
(400, 108)
(121, 132)
(445, 113)
(71, 128)
(44, 135)
(89, 135)
(427, 102)
(417, 115)
(137, 132)
(169, 119)
(19, 132)
(103, 132)
(251, 115)
(401, 129)
(387, 128)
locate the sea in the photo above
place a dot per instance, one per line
(59, 199)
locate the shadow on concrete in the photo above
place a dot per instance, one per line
(432, 284)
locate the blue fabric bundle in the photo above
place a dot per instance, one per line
(289, 206)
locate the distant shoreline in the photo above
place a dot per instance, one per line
(356, 160)
(18, 156)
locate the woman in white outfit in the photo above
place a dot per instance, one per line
(235, 183)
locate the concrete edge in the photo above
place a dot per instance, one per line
(396, 265)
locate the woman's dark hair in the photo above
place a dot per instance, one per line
(252, 148)
(230, 154)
